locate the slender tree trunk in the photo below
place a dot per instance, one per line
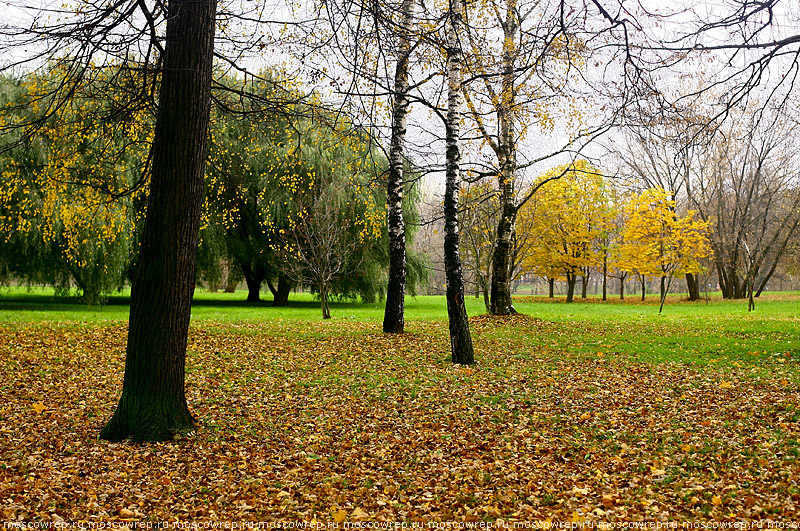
(153, 403)
(485, 290)
(571, 279)
(584, 286)
(460, 338)
(393, 317)
(766, 278)
(323, 300)
(605, 277)
(693, 286)
(644, 288)
(621, 289)
(551, 283)
(663, 288)
(502, 257)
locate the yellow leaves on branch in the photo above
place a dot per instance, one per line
(65, 194)
(656, 241)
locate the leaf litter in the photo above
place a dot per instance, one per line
(336, 421)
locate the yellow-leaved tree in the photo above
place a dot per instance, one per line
(570, 215)
(658, 243)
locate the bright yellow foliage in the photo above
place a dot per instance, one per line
(659, 243)
(569, 215)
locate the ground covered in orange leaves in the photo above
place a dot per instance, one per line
(338, 422)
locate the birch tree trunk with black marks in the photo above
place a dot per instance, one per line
(393, 318)
(153, 403)
(460, 339)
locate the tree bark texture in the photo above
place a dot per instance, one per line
(460, 338)
(507, 158)
(323, 299)
(551, 285)
(394, 314)
(153, 403)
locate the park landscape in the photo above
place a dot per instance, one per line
(404, 262)
(588, 412)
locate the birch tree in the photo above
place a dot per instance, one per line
(460, 338)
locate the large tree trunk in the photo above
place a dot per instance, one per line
(393, 317)
(281, 296)
(153, 403)
(460, 338)
(551, 285)
(254, 277)
(693, 286)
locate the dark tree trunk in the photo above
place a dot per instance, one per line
(584, 285)
(663, 288)
(323, 299)
(621, 289)
(501, 264)
(153, 403)
(766, 278)
(393, 317)
(571, 280)
(693, 286)
(280, 296)
(460, 338)
(644, 288)
(551, 284)
(605, 277)
(737, 291)
(484, 287)
(254, 277)
(505, 149)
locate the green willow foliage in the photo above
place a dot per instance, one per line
(73, 189)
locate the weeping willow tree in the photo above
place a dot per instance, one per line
(254, 172)
(273, 175)
(71, 192)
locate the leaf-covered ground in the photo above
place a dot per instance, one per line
(337, 421)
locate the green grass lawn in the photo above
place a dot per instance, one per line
(717, 332)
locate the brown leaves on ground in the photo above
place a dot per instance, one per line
(336, 421)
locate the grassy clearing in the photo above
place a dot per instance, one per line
(719, 332)
(586, 411)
